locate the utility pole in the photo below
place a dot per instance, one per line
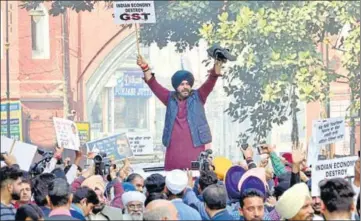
(7, 45)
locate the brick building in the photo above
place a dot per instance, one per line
(36, 61)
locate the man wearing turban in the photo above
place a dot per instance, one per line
(133, 202)
(296, 203)
(186, 130)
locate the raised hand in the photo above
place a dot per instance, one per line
(248, 153)
(218, 66)
(298, 156)
(190, 178)
(59, 151)
(141, 61)
(9, 159)
(78, 156)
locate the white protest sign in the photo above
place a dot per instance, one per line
(328, 131)
(6, 144)
(131, 12)
(141, 143)
(327, 169)
(312, 152)
(24, 153)
(67, 133)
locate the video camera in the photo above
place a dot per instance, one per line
(219, 53)
(102, 163)
(202, 163)
(39, 167)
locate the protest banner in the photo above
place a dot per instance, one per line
(15, 119)
(141, 143)
(134, 12)
(66, 133)
(116, 147)
(327, 169)
(24, 153)
(328, 131)
(83, 131)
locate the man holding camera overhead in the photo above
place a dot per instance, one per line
(186, 130)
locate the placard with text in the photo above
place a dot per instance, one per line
(328, 131)
(141, 143)
(131, 12)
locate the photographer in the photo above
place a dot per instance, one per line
(107, 209)
(56, 156)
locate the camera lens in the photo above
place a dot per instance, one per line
(98, 159)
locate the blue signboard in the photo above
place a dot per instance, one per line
(131, 84)
(116, 147)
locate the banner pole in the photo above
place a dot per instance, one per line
(136, 38)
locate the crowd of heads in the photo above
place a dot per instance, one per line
(229, 193)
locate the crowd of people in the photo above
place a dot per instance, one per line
(278, 188)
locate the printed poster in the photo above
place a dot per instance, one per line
(66, 133)
(116, 147)
(131, 12)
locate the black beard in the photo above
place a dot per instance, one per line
(15, 196)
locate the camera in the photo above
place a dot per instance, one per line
(102, 163)
(244, 146)
(219, 53)
(202, 163)
(39, 167)
(261, 148)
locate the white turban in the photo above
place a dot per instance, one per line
(176, 181)
(132, 196)
(292, 200)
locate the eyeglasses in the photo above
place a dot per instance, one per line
(135, 206)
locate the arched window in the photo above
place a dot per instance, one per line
(40, 33)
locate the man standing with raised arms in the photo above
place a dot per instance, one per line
(186, 130)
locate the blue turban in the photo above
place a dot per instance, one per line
(128, 187)
(180, 76)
